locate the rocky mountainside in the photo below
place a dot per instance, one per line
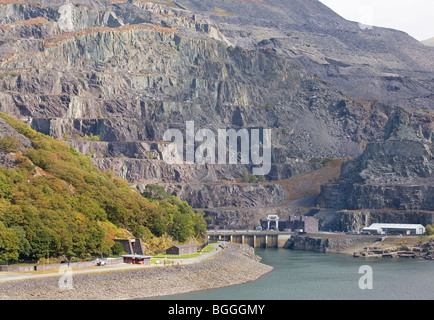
(362, 61)
(110, 77)
(394, 179)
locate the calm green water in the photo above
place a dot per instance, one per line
(309, 275)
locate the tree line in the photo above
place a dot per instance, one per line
(55, 202)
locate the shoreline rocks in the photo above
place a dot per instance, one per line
(421, 251)
(236, 265)
(333, 243)
(360, 247)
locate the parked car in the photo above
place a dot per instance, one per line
(100, 263)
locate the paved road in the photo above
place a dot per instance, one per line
(20, 276)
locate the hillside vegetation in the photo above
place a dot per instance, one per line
(56, 203)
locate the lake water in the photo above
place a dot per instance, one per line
(319, 276)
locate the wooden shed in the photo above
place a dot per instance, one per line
(182, 249)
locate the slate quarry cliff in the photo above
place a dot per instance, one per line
(392, 180)
(110, 77)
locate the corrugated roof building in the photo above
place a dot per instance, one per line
(394, 228)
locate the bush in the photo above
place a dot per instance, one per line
(10, 144)
(155, 192)
(430, 229)
(117, 249)
(248, 177)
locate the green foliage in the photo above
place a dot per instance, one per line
(24, 247)
(117, 249)
(9, 244)
(322, 161)
(199, 224)
(155, 192)
(261, 178)
(251, 178)
(10, 144)
(70, 207)
(86, 137)
(182, 226)
(177, 219)
(5, 187)
(430, 229)
(267, 106)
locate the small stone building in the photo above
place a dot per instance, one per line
(303, 224)
(182, 249)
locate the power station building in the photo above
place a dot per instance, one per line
(305, 224)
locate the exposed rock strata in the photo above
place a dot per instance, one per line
(6, 131)
(391, 181)
(126, 71)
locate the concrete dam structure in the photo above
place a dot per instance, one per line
(255, 239)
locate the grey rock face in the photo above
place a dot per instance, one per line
(118, 73)
(395, 174)
(7, 131)
(7, 159)
(229, 196)
(308, 243)
(369, 63)
(365, 196)
(111, 77)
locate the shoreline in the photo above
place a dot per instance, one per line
(369, 246)
(234, 265)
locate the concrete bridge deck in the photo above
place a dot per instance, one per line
(255, 239)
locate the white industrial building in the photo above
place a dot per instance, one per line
(394, 228)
